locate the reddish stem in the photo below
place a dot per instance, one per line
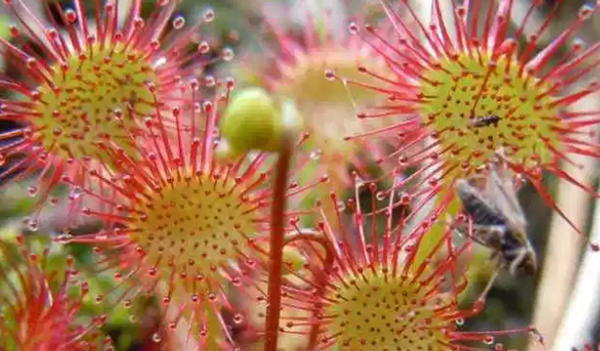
(276, 245)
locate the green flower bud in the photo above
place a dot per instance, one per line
(255, 120)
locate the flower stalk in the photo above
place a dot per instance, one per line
(253, 112)
(277, 242)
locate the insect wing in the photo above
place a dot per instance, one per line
(501, 189)
(481, 211)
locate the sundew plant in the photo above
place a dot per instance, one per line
(299, 175)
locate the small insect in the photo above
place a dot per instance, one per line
(485, 121)
(498, 221)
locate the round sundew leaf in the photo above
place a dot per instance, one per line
(385, 313)
(99, 95)
(193, 226)
(478, 107)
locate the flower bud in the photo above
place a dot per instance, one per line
(255, 120)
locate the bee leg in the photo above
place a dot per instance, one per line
(490, 283)
(500, 265)
(520, 255)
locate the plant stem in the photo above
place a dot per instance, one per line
(276, 245)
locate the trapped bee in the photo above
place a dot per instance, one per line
(498, 221)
